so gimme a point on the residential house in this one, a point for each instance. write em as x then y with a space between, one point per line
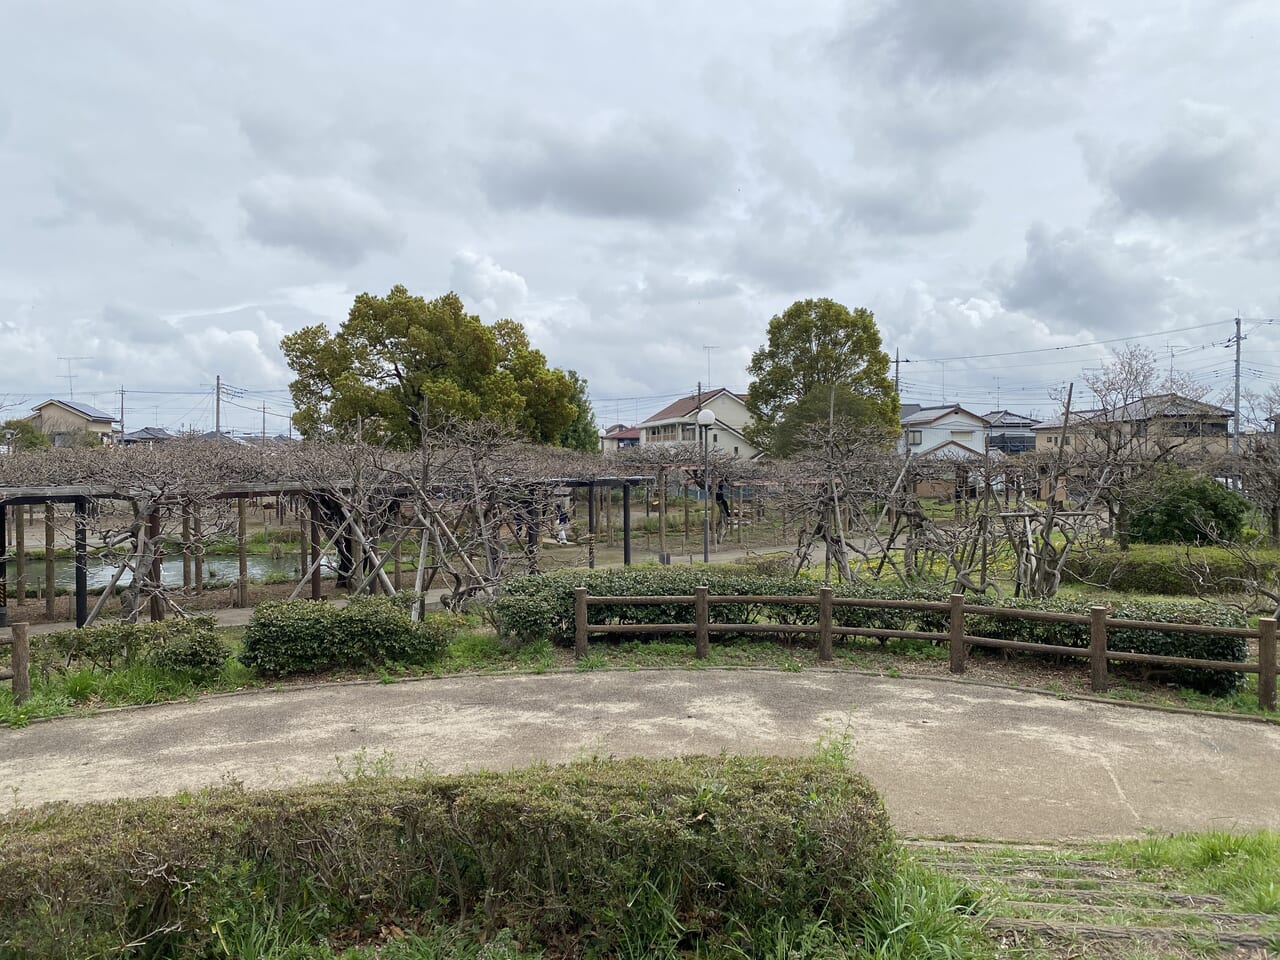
67 422
927 431
1010 433
145 435
1159 425
678 422
619 436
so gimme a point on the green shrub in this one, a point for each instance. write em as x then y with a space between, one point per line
1170 569
1187 507
190 645
183 644
700 849
302 636
541 608
1201 646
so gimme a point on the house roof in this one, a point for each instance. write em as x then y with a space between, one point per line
688 406
953 450
147 434
1007 418
1144 408
92 413
623 433
930 414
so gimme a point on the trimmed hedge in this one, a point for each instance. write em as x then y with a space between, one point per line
582 852
186 645
303 636
1170 570
541 608
1202 646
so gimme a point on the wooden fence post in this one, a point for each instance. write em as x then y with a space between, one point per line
579 622
956 634
824 625
1098 649
701 616
21 653
1267 663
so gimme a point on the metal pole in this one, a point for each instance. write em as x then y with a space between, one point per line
706 495
1235 434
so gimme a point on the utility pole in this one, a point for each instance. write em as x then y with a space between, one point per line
217 405
1235 434
264 426
122 411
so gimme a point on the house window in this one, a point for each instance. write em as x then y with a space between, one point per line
735 451
715 438
962 435
1066 441
914 438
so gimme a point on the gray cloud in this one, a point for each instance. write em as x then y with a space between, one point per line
328 219
659 287
943 41
913 205
1086 280
1205 168
629 168
85 195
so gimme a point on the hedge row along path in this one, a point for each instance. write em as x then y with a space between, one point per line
950 758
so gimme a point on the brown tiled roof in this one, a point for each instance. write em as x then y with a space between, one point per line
687 406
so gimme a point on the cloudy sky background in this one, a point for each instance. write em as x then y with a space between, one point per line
182 183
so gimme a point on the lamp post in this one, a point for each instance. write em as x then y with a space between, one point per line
600 434
705 419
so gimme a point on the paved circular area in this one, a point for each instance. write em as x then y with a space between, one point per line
950 758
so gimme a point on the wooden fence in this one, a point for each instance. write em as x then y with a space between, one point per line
959 642
20 671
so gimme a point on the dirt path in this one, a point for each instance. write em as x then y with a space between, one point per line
950 758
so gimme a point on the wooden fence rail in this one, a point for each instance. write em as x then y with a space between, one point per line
20 656
958 640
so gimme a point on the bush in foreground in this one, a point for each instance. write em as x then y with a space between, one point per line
302 636
597 854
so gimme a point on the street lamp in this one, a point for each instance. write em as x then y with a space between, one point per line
600 434
705 419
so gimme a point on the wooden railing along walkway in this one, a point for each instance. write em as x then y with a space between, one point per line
959 642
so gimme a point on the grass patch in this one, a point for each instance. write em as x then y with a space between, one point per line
1244 868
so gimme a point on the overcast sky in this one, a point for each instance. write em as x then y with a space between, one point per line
182 183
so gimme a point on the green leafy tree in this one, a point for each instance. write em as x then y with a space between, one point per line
393 352
22 434
581 434
1186 507
820 353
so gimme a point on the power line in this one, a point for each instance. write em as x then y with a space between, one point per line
1074 346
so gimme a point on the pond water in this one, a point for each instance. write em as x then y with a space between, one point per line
215 568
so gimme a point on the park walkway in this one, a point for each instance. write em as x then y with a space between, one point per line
950 758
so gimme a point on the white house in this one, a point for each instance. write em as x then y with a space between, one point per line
928 431
678 422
